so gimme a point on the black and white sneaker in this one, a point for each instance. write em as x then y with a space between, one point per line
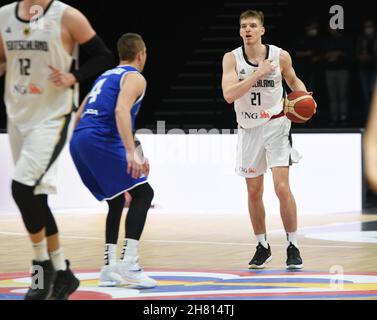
294 260
65 284
44 276
261 257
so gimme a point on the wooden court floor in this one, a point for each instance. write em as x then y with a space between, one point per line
204 242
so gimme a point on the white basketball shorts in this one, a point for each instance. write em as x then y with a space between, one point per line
36 150
265 146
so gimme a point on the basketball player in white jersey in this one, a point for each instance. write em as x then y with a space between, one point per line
252 79
39 99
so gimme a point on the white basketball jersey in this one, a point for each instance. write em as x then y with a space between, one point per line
30 97
264 99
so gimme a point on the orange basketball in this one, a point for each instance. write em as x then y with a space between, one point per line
299 106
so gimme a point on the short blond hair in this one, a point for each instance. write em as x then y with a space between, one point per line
253 14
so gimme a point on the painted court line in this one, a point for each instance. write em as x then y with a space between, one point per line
193 242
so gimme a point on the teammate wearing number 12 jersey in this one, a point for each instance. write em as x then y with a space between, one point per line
39 41
252 79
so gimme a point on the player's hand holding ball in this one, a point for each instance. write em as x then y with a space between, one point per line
299 106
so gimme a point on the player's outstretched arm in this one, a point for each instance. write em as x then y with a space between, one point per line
234 89
289 74
370 144
133 87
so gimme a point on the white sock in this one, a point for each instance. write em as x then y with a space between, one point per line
40 252
57 258
129 251
292 238
110 257
262 239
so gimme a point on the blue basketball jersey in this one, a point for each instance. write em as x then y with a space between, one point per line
96 147
99 111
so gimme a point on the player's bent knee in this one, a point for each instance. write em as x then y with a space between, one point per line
143 192
32 215
21 192
149 192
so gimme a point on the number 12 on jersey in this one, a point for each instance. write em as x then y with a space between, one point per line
255 99
24 66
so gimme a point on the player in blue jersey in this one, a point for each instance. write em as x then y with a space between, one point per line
106 156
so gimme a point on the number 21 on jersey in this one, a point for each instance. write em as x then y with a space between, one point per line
255 99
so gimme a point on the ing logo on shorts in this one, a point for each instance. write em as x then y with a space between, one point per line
248 170
228 285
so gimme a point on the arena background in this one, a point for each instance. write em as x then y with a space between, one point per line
186 42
